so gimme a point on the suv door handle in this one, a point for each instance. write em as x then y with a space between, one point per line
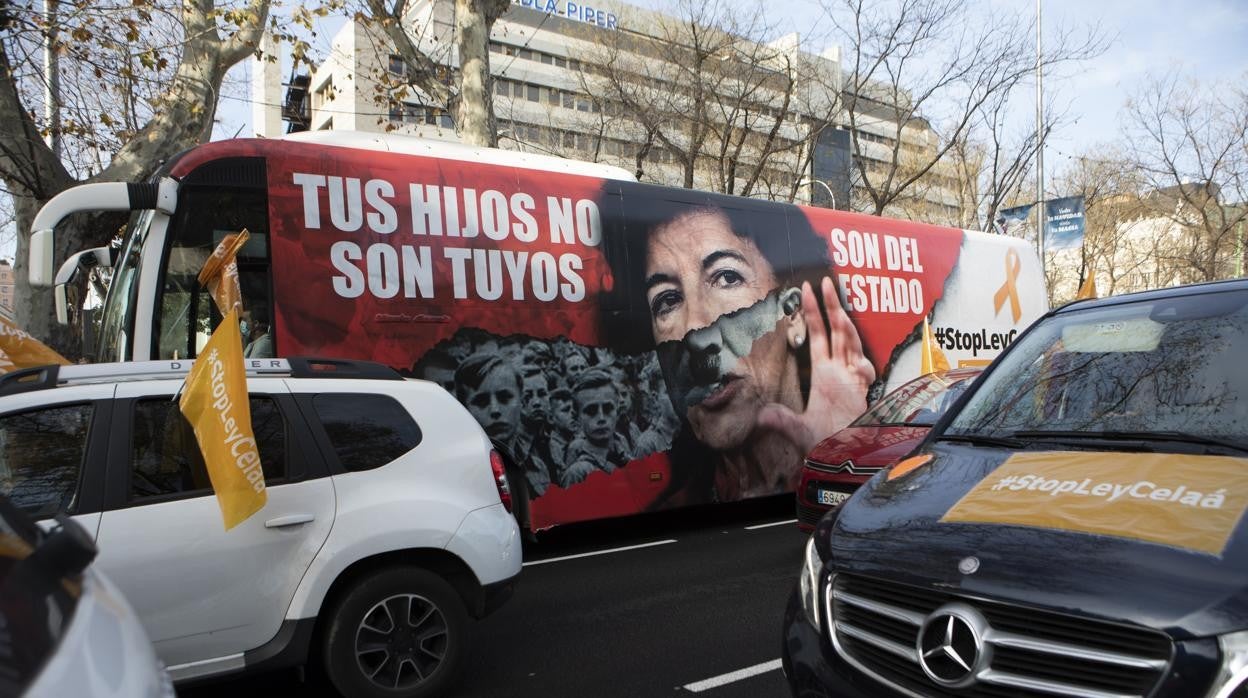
291 520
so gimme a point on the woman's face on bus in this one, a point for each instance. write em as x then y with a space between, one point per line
716 321
496 404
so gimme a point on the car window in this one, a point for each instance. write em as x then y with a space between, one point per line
41 454
165 458
35 609
366 431
918 403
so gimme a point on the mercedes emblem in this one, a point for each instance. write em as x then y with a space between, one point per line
951 645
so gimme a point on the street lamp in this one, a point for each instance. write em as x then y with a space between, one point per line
822 184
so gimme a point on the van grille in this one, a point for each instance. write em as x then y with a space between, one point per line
1030 652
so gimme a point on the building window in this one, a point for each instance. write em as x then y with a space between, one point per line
397 66
548 59
560 63
445 120
552 96
535 93
568 100
501 88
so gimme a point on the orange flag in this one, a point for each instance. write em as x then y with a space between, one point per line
220 273
216 405
20 350
933 358
1088 289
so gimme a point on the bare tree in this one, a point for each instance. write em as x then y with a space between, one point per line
1190 142
467 93
710 102
912 64
145 83
1119 245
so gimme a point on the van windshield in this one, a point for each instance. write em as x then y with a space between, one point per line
1168 367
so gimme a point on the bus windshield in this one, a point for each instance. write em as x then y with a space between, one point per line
117 324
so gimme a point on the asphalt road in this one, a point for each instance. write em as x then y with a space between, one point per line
694 608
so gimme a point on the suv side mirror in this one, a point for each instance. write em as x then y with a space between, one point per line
66 551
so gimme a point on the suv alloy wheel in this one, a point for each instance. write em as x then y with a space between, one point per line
402 631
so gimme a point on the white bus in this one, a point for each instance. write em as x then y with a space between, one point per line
629 347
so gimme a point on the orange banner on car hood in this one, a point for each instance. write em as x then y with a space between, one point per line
1186 501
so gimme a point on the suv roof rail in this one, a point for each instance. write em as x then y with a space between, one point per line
42 377
27 379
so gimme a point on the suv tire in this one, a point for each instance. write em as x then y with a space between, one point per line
367 632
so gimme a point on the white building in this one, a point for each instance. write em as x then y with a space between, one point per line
547 63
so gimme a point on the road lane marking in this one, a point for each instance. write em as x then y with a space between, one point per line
599 552
731 677
774 523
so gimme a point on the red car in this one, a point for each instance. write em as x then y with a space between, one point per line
886 432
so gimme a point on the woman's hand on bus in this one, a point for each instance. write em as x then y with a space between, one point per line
840 375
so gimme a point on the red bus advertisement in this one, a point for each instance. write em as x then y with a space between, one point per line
628 347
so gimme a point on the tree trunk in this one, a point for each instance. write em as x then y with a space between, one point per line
185 117
473 20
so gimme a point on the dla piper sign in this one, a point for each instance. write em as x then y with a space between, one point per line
572 10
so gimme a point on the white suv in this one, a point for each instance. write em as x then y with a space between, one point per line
387 524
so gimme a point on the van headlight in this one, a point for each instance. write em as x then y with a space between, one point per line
812 565
1233 673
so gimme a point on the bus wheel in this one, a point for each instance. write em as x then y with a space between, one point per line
402 632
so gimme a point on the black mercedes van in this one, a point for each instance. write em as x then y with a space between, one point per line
1073 526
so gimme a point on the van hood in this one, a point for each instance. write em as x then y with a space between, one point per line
894 530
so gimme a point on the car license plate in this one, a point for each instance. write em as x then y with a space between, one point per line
831 497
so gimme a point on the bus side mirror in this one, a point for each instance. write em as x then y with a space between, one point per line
41 258
87 259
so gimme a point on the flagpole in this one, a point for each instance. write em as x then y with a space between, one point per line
1039 143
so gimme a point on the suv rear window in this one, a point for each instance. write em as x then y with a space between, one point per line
366 431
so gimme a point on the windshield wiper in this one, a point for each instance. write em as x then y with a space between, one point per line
1150 436
984 440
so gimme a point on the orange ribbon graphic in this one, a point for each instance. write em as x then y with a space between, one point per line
1013 264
